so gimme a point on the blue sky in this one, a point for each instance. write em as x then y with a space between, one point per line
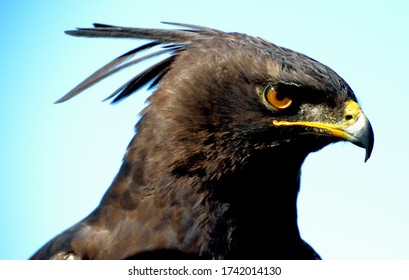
58 160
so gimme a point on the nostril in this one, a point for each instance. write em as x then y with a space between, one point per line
348 117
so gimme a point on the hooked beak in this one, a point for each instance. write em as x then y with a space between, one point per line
355 127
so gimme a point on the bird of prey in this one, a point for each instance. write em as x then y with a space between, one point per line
213 171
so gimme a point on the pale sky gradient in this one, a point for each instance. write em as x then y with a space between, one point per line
58 160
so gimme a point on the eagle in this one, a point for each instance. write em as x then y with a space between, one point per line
213 170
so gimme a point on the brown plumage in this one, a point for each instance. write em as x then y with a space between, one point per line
214 168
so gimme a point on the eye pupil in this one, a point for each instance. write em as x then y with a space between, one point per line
275 97
280 97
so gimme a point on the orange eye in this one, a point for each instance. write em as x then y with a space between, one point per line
277 99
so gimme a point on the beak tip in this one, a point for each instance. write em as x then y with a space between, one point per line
367 156
369 148
362 135
370 143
